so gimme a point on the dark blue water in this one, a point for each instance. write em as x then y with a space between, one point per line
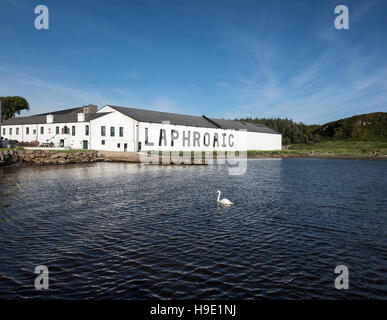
127 231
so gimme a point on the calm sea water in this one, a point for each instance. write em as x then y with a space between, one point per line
126 231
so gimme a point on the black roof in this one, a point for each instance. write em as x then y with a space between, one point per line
25 120
158 117
59 117
70 115
62 112
195 121
240 125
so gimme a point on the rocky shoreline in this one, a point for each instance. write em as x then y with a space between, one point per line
45 157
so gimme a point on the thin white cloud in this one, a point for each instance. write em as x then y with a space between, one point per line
223 84
45 95
343 79
133 75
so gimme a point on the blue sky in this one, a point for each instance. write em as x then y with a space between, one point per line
222 58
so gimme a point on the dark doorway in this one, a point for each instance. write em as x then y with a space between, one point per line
85 144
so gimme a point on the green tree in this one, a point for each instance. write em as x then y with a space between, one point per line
292 132
12 105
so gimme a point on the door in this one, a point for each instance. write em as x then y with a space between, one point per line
125 147
61 143
85 144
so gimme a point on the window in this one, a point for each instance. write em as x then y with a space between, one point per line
118 145
65 130
41 130
3 131
57 130
17 130
103 142
87 130
73 130
10 131
103 131
34 131
121 131
112 131
27 130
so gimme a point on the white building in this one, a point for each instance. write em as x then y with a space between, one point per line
128 129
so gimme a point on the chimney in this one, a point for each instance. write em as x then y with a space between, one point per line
50 118
81 117
91 108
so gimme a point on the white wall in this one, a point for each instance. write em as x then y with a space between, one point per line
263 141
134 132
70 140
227 139
32 134
106 109
49 133
116 143
11 135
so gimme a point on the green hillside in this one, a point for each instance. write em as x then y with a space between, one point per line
292 132
365 127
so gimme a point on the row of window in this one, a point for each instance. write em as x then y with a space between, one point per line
65 130
87 130
112 131
10 131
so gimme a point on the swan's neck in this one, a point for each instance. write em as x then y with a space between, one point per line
218 196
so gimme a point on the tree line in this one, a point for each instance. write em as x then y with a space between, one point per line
292 132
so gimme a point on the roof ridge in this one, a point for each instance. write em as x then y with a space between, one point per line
156 111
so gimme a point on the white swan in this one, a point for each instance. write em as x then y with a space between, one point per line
223 201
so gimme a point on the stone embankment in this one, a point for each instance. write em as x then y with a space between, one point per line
40 157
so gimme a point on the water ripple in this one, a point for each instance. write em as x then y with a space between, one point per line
124 231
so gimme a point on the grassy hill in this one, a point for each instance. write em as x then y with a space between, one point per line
360 136
365 127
